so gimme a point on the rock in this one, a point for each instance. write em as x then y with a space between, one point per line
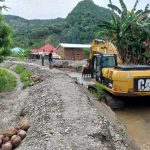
7 146
15 140
22 134
10 132
6 139
61 64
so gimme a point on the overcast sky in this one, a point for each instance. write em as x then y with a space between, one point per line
48 9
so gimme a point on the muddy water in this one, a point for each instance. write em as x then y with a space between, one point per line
137 120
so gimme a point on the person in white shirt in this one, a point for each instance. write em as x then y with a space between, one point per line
43 57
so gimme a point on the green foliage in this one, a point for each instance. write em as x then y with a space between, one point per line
99 88
121 132
128 30
98 92
25 52
118 122
5 35
34 33
22 54
80 26
7 81
24 75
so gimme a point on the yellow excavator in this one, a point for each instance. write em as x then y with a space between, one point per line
106 67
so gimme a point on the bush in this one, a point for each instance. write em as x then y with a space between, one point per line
23 54
7 81
98 91
99 88
24 75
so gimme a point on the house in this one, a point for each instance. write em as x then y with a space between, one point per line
47 48
71 51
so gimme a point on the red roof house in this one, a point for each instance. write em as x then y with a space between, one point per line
35 51
47 48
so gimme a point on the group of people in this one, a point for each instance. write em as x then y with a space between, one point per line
50 58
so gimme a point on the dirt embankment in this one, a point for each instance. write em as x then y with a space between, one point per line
62 116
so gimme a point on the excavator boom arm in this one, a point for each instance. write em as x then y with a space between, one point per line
100 46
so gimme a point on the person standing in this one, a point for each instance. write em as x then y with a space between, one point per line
43 57
50 58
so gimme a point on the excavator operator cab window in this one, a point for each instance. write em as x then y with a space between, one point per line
108 61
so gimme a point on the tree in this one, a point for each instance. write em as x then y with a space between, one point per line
5 35
128 29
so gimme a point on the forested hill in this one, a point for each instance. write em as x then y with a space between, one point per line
87 9
83 22
80 26
18 22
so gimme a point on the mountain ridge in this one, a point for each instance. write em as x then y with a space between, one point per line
80 26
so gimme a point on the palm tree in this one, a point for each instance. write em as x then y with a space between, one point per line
128 29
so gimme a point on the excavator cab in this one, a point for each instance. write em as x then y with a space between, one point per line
101 61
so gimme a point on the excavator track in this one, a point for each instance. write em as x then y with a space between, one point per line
110 100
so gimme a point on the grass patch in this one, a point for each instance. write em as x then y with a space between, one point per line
98 90
24 75
121 132
7 81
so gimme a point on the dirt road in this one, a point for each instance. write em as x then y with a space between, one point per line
62 116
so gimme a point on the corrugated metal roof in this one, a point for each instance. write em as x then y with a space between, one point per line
66 45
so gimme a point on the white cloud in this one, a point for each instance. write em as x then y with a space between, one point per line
46 9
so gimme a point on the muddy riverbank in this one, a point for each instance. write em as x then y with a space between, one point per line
62 115
136 117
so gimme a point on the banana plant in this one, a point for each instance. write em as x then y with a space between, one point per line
128 29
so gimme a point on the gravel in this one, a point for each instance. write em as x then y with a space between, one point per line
62 115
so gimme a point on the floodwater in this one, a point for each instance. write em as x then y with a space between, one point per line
136 118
